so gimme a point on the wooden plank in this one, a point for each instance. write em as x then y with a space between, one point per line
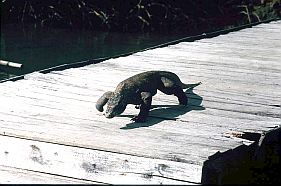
35 119
106 86
163 145
239 105
262 76
87 164
165 99
10 175
210 101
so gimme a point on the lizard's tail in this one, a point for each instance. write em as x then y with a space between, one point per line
184 86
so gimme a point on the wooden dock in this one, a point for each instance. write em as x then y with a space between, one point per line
50 131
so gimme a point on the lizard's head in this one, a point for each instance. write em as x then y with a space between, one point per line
115 105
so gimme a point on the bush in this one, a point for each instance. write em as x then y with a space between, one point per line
138 15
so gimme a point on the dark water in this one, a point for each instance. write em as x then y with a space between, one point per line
39 49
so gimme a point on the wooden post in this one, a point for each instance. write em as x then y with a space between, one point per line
230 167
10 64
258 163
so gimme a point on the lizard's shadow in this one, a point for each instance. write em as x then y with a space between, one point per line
160 113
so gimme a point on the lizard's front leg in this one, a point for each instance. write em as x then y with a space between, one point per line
103 100
144 107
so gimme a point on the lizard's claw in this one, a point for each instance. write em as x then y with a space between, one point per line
138 119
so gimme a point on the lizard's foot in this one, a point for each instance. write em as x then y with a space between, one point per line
139 119
183 102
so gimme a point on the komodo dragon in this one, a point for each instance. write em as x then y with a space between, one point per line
139 89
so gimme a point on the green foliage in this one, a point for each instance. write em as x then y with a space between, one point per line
261 10
138 15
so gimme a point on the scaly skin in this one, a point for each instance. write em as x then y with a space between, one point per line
139 90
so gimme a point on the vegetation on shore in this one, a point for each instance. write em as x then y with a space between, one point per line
188 16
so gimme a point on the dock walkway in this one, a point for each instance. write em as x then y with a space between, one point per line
50 131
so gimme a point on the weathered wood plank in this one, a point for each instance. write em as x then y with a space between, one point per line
106 86
34 118
210 102
215 103
163 145
10 175
86 164
189 71
212 98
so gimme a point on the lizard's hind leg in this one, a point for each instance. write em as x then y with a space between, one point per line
177 91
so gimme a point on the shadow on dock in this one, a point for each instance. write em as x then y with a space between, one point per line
159 113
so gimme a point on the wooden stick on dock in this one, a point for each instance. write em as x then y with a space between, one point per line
10 64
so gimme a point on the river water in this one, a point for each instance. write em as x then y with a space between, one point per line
39 49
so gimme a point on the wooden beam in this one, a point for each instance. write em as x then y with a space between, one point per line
93 165
10 64
11 175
